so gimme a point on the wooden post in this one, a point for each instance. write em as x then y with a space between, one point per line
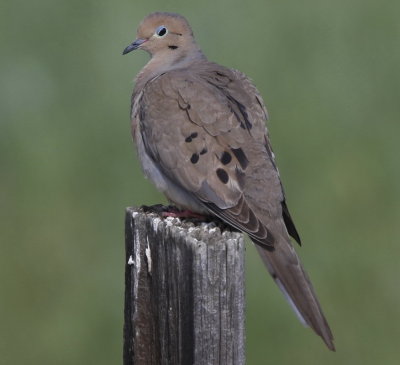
184 292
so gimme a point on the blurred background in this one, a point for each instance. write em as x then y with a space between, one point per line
329 73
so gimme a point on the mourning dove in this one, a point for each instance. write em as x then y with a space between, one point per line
201 138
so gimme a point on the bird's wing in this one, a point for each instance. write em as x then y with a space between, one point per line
206 132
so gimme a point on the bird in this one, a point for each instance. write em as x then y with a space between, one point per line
201 136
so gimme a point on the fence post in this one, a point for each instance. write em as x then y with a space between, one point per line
184 292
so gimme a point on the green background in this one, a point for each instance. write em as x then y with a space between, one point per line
329 73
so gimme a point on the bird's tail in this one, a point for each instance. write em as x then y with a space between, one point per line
285 268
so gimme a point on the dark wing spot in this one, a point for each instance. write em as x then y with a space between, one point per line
242 109
241 157
222 175
190 138
243 113
289 223
203 151
226 158
195 158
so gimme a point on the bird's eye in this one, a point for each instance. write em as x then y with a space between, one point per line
161 31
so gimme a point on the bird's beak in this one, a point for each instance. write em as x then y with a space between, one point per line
135 45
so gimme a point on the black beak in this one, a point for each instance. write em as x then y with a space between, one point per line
135 45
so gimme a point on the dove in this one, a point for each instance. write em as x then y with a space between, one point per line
201 138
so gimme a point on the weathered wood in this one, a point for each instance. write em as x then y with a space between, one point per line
184 292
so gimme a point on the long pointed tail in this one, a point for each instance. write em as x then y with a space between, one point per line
285 268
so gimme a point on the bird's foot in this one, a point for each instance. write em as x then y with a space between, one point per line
172 211
175 213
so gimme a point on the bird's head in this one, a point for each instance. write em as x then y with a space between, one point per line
163 34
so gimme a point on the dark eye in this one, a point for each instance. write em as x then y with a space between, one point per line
161 31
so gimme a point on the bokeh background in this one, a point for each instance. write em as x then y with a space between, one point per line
329 72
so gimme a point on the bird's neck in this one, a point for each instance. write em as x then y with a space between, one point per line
166 61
